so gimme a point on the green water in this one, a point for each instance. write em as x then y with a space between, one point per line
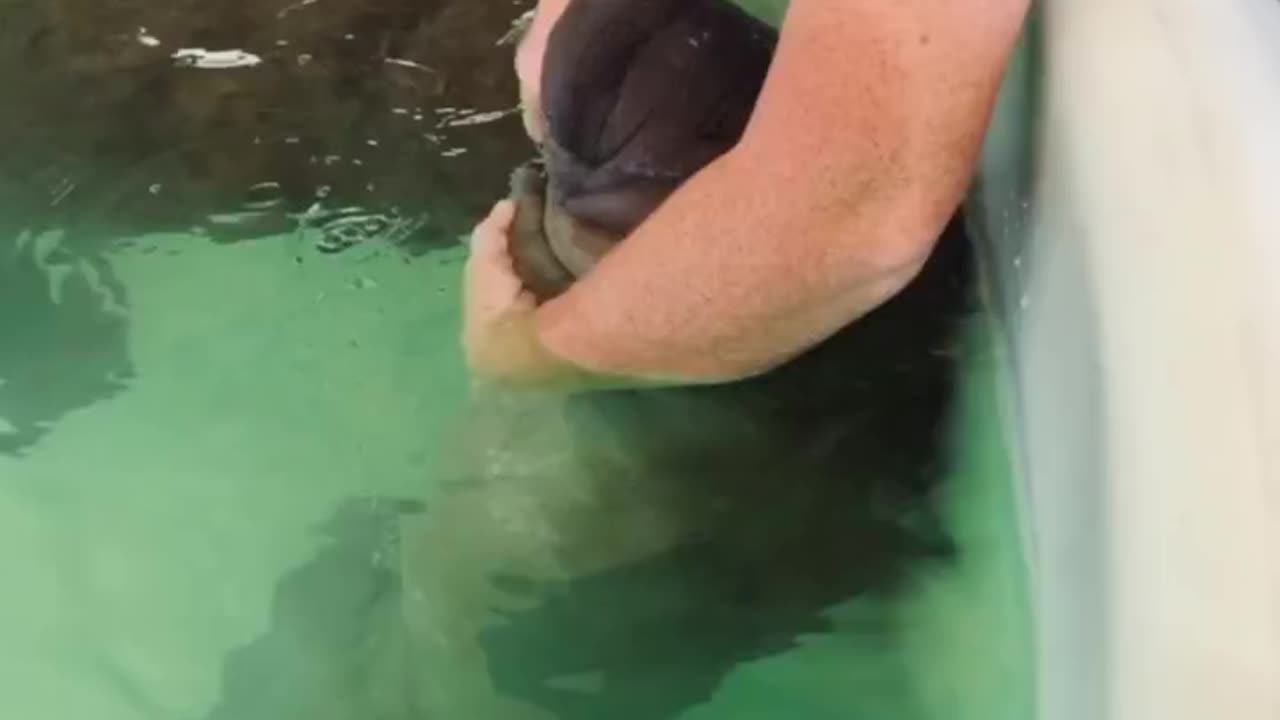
217 460
147 537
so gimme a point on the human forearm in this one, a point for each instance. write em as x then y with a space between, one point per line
726 281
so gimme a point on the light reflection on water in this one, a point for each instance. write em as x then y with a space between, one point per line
131 118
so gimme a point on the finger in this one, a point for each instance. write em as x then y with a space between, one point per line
489 237
489 272
502 215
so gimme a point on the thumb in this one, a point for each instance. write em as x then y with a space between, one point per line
488 238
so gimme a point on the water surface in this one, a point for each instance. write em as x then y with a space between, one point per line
230 396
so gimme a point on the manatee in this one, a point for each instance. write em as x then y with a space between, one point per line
619 554
638 96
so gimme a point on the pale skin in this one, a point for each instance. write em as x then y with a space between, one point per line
861 148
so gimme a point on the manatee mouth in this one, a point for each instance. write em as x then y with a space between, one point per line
636 98
550 245
553 241
533 258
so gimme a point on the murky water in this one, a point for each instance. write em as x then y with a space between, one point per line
242 475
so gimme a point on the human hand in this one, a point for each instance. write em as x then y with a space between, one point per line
528 64
500 325
497 309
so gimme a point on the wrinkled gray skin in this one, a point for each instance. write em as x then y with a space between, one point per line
550 248
639 95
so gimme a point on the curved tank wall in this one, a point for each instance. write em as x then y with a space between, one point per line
1131 244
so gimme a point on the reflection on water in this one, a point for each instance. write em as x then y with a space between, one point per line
335 647
117 119
388 123
236 428
63 345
